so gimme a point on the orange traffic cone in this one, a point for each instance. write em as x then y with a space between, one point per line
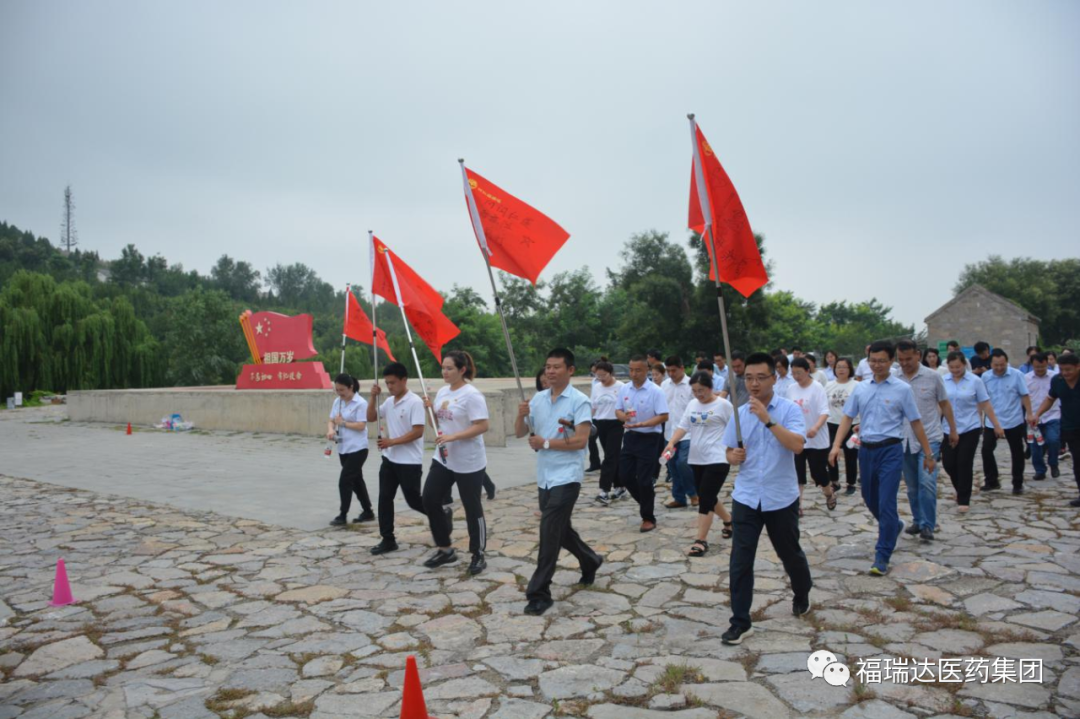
61 588
412 694
129 428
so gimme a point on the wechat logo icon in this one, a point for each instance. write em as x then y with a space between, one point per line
824 665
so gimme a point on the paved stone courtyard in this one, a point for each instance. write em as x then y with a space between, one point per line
185 613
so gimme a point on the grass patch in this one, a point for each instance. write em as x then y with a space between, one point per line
900 604
872 615
575 708
675 675
289 708
208 659
861 693
749 661
936 621
223 700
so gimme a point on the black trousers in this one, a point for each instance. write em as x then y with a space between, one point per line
818 459
1015 437
783 528
1071 438
610 434
851 458
437 488
708 479
959 464
594 449
556 508
351 481
391 477
637 463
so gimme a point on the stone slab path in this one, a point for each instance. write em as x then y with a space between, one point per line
186 614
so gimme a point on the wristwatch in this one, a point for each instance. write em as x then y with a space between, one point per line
547 444
770 424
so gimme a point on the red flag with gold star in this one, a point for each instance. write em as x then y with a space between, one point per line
278 333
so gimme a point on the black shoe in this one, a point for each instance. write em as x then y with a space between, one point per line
367 516
589 576
337 522
926 534
536 607
1018 490
478 563
491 493
735 635
800 608
590 470
386 545
913 529
990 487
440 558
1075 502
850 489
1039 477
1055 472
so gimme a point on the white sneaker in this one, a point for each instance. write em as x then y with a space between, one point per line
603 498
619 493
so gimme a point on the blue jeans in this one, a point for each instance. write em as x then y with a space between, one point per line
880 468
922 486
682 478
1051 432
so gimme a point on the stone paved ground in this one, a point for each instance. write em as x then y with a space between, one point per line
192 614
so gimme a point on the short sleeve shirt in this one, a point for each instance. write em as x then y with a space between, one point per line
604 398
456 411
814 405
883 407
767 478
1039 389
402 416
837 393
646 402
704 424
929 390
355 410
965 397
1070 402
1005 392
550 420
678 397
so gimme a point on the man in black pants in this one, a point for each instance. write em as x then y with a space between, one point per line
561 418
1011 401
642 408
766 492
402 448
1065 388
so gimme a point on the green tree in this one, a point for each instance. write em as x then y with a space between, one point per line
204 344
130 269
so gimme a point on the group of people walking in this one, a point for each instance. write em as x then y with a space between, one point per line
894 416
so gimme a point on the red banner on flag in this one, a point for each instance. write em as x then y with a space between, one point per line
517 238
280 333
732 248
422 304
358 326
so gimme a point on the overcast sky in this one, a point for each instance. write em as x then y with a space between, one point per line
878 147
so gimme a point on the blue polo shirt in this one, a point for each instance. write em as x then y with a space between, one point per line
767 478
648 400
553 467
965 397
883 408
1005 392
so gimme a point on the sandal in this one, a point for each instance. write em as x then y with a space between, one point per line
698 549
726 531
830 501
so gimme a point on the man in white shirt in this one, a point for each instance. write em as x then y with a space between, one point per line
783 376
642 408
678 394
720 368
1038 384
863 371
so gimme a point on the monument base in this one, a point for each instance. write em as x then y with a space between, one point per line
292 375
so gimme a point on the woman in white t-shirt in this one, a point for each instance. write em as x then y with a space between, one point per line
932 359
831 358
837 392
348 427
605 391
810 396
705 419
460 458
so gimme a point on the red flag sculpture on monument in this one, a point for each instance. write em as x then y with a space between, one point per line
276 342
516 238
280 333
422 304
358 326
731 245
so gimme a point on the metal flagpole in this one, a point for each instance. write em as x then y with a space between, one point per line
706 212
474 216
343 335
412 348
374 332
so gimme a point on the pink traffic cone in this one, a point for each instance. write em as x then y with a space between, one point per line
61 588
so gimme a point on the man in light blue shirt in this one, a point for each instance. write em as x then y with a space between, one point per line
720 368
766 493
1010 399
883 404
642 408
561 418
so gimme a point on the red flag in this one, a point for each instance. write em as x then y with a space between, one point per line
516 237
423 305
358 326
276 332
733 248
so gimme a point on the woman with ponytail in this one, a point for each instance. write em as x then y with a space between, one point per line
348 427
460 458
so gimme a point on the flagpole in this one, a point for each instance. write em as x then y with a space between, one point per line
478 228
710 247
343 335
374 332
416 358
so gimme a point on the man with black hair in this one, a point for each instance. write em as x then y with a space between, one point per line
642 408
738 367
561 419
980 363
402 449
1038 381
1011 401
766 494
654 357
1065 388
1029 353
678 394
883 405
720 368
